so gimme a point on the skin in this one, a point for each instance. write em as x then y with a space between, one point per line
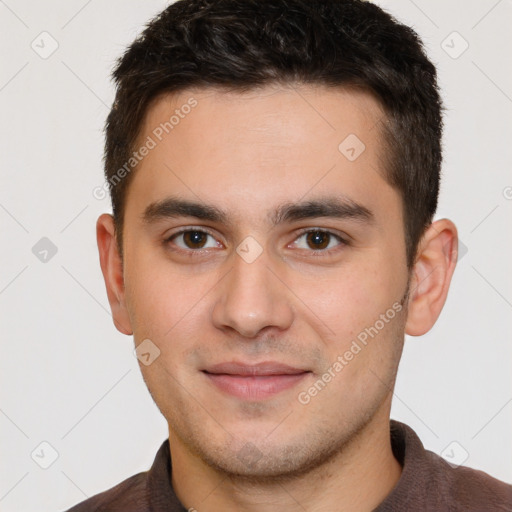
248 153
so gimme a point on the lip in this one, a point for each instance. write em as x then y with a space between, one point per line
259 369
254 381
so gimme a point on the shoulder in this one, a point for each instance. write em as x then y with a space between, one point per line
137 492
429 482
128 496
470 488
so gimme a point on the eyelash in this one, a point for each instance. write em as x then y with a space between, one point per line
317 252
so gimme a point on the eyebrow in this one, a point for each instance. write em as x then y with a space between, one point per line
333 207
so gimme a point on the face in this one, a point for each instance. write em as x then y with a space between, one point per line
264 259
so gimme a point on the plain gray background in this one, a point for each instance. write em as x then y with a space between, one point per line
68 378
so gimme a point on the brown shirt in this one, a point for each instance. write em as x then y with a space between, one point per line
428 483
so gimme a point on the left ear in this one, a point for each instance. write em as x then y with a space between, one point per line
431 276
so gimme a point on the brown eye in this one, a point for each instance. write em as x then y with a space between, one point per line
193 239
318 239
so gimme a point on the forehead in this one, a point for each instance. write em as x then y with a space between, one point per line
261 147
300 110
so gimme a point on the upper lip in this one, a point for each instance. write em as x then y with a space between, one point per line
263 368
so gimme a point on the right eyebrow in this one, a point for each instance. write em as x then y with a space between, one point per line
174 207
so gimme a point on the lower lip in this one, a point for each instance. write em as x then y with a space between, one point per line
255 387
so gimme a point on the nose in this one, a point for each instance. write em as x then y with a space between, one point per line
252 298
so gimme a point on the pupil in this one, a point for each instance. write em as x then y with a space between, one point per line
319 239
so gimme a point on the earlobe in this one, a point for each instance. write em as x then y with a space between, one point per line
112 269
431 276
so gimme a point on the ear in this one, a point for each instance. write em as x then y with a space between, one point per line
112 268
431 276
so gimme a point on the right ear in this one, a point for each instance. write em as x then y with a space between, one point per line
112 268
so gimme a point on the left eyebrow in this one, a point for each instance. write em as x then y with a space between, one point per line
333 207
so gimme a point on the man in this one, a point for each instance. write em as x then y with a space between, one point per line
274 173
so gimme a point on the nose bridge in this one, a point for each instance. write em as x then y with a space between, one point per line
251 297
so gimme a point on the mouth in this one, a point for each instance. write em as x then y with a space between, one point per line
254 382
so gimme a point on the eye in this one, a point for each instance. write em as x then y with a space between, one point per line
313 240
193 239
318 240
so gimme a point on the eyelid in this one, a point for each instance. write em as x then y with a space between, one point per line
338 235
189 228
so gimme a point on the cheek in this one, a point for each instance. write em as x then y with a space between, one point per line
163 299
351 299
151 292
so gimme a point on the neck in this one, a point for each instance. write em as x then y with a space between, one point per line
357 479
